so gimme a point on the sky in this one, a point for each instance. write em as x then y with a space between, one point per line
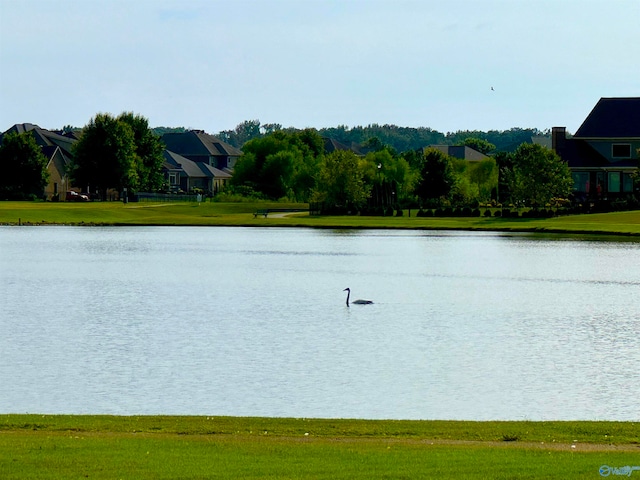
448 65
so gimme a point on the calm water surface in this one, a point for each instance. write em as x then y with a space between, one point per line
241 321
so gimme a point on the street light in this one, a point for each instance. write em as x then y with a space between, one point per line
379 187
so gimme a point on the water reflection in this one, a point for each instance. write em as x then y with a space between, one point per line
232 321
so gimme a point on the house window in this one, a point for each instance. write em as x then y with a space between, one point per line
621 150
580 182
173 179
627 182
614 182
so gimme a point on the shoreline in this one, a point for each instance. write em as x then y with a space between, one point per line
625 225
537 231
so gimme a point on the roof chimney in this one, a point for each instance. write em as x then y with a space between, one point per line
558 138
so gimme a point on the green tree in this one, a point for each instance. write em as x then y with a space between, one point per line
269 128
24 167
505 140
277 173
504 162
479 144
105 155
437 176
281 164
159 131
484 174
391 177
539 175
341 181
118 153
149 152
245 131
476 181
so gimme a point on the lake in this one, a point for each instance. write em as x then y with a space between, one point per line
253 322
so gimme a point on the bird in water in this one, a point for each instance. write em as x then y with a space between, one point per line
357 302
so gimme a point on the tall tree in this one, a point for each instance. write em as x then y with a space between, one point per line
504 162
437 176
105 155
281 164
118 153
484 174
341 181
245 131
149 152
539 175
391 176
23 166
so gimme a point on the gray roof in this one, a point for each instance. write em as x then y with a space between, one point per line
331 145
543 140
198 143
44 138
460 151
613 118
176 162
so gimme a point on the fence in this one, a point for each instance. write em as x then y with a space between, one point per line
167 197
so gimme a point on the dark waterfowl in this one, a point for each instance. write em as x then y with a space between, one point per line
356 302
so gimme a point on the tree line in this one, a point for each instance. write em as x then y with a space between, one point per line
397 138
293 165
123 152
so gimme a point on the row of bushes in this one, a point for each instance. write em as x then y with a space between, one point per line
488 212
566 208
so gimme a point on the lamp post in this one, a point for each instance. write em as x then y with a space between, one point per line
378 188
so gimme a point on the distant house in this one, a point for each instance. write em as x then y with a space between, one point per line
543 140
461 152
602 154
56 146
331 145
201 147
183 174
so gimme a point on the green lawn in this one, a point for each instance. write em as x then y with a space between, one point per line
241 214
60 447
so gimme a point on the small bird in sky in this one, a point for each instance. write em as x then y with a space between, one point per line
492 89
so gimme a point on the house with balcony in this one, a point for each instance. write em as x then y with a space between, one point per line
603 153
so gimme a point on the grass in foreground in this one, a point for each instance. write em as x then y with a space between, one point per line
36 446
241 214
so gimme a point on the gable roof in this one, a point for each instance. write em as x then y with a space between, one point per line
612 118
198 143
331 145
460 151
44 138
579 154
174 161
